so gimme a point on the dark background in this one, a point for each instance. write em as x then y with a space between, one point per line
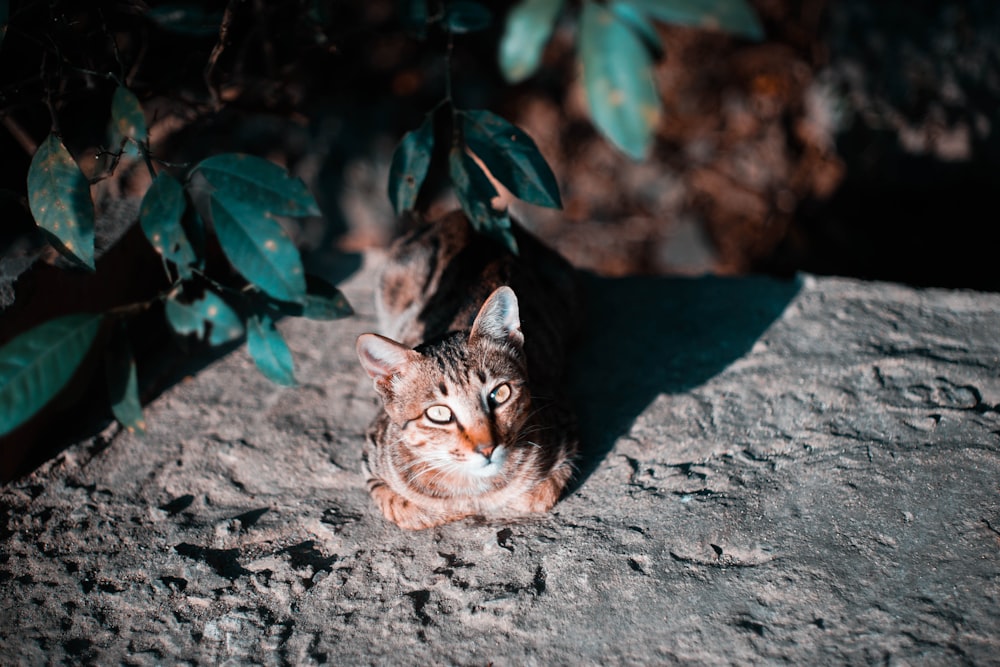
858 139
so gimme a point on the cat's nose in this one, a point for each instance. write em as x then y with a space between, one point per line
486 449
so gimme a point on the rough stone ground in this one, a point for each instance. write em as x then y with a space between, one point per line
776 472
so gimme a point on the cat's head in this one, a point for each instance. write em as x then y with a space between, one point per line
461 400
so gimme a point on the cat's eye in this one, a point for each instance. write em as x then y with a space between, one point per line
438 414
500 394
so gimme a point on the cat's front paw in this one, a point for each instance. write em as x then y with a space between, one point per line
399 510
541 498
546 493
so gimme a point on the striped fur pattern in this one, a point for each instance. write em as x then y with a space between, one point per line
469 373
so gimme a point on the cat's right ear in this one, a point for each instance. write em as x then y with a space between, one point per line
499 318
381 357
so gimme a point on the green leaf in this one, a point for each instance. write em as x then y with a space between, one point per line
245 192
185 318
127 120
633 18
474 192
36 365
462 16
160 218
734 16
511 156
259 248
186 19
618 78
59 196
269 351
196 316
323 302
226 324
409 166
123 384
529 26
197 233
258 183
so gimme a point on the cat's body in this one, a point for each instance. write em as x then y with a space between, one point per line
473 421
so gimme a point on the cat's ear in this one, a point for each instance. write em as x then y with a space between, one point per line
381 357
499 318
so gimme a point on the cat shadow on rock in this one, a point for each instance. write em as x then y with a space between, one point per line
647 336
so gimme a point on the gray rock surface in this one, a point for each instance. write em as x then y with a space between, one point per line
775 472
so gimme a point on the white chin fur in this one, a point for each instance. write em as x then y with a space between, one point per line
482 468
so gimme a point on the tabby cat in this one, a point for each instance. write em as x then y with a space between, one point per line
469 373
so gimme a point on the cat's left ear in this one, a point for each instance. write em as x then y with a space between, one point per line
499 318
381 357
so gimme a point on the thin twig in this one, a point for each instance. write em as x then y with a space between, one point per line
213 58
214 283
164 163
447 66
27 143
130 309
147 158
137 307
116 157
48 96
114 48
455 131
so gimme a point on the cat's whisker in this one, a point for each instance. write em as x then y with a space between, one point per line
536 410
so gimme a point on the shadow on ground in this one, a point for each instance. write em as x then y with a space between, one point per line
646 336
81 410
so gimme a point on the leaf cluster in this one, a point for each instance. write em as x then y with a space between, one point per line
479 137
238 199
237 202
482 144
617 45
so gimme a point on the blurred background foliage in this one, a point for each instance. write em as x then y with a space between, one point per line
839 143
833 136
